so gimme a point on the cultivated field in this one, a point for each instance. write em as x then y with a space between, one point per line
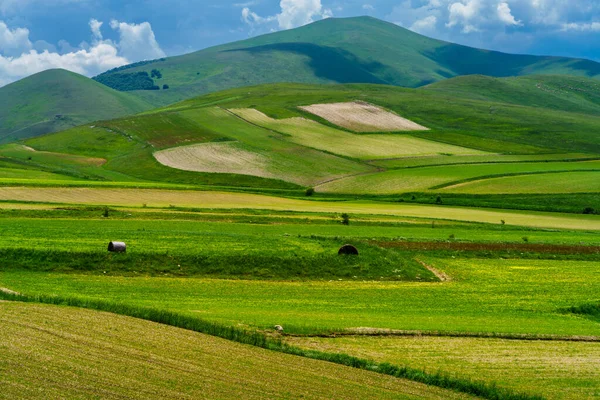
568 370
89 354
448 177
215 157
222 200
374 146
362 117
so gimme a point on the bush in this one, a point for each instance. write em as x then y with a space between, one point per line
310 191
345 219
438 200
165 86
156 74
589 210
525 239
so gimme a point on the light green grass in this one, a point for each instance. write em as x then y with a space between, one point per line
503 296
312 134
415 162
426 178
113 357
221 200
554 369
564 182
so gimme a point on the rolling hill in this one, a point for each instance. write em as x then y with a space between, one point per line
558 92
348 50
55 100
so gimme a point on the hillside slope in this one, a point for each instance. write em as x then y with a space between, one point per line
557 92
349 50
56 99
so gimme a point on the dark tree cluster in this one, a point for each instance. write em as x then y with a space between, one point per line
128 81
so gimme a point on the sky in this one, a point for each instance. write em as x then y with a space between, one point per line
92 36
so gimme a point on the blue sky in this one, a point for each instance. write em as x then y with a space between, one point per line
90 36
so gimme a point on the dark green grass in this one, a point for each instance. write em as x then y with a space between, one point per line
253 338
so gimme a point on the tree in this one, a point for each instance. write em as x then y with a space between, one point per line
310 191
165 86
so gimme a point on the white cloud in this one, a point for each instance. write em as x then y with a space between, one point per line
14 42
582 27
368 7
95 26
293 13
464 14
505 14
425 25
137 42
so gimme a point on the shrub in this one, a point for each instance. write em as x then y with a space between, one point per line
438 200
165 86
525 239
310 191
589 210
345 219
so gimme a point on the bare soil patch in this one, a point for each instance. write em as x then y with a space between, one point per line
362 117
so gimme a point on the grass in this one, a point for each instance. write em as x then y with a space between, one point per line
115 356
221 200
430 178
514 296
569 370
55 100
373 146
563 182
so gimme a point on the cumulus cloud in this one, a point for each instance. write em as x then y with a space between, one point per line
464 14
293 13
505 15
15 41
137 41
20 58
425 25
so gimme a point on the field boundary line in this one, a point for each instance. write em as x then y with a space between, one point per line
375 332
439 379
458 183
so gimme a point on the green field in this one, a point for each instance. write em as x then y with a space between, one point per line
89 354
569 370
449 177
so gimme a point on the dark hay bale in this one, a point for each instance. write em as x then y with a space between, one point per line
117 247
348 250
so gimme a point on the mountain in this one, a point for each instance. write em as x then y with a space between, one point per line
56 99
348 50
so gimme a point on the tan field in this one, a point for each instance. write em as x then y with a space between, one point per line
215 157
362 117
57 352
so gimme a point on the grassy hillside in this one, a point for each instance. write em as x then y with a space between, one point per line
259 139
350 50
55 100
566 93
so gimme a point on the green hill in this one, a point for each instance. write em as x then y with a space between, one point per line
558 92
55 100
350 50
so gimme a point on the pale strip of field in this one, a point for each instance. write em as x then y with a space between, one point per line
59 352
565 182
362 117
555 369
222 200
215 157
16 150
312 134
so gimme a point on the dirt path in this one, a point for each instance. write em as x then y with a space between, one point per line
442 276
